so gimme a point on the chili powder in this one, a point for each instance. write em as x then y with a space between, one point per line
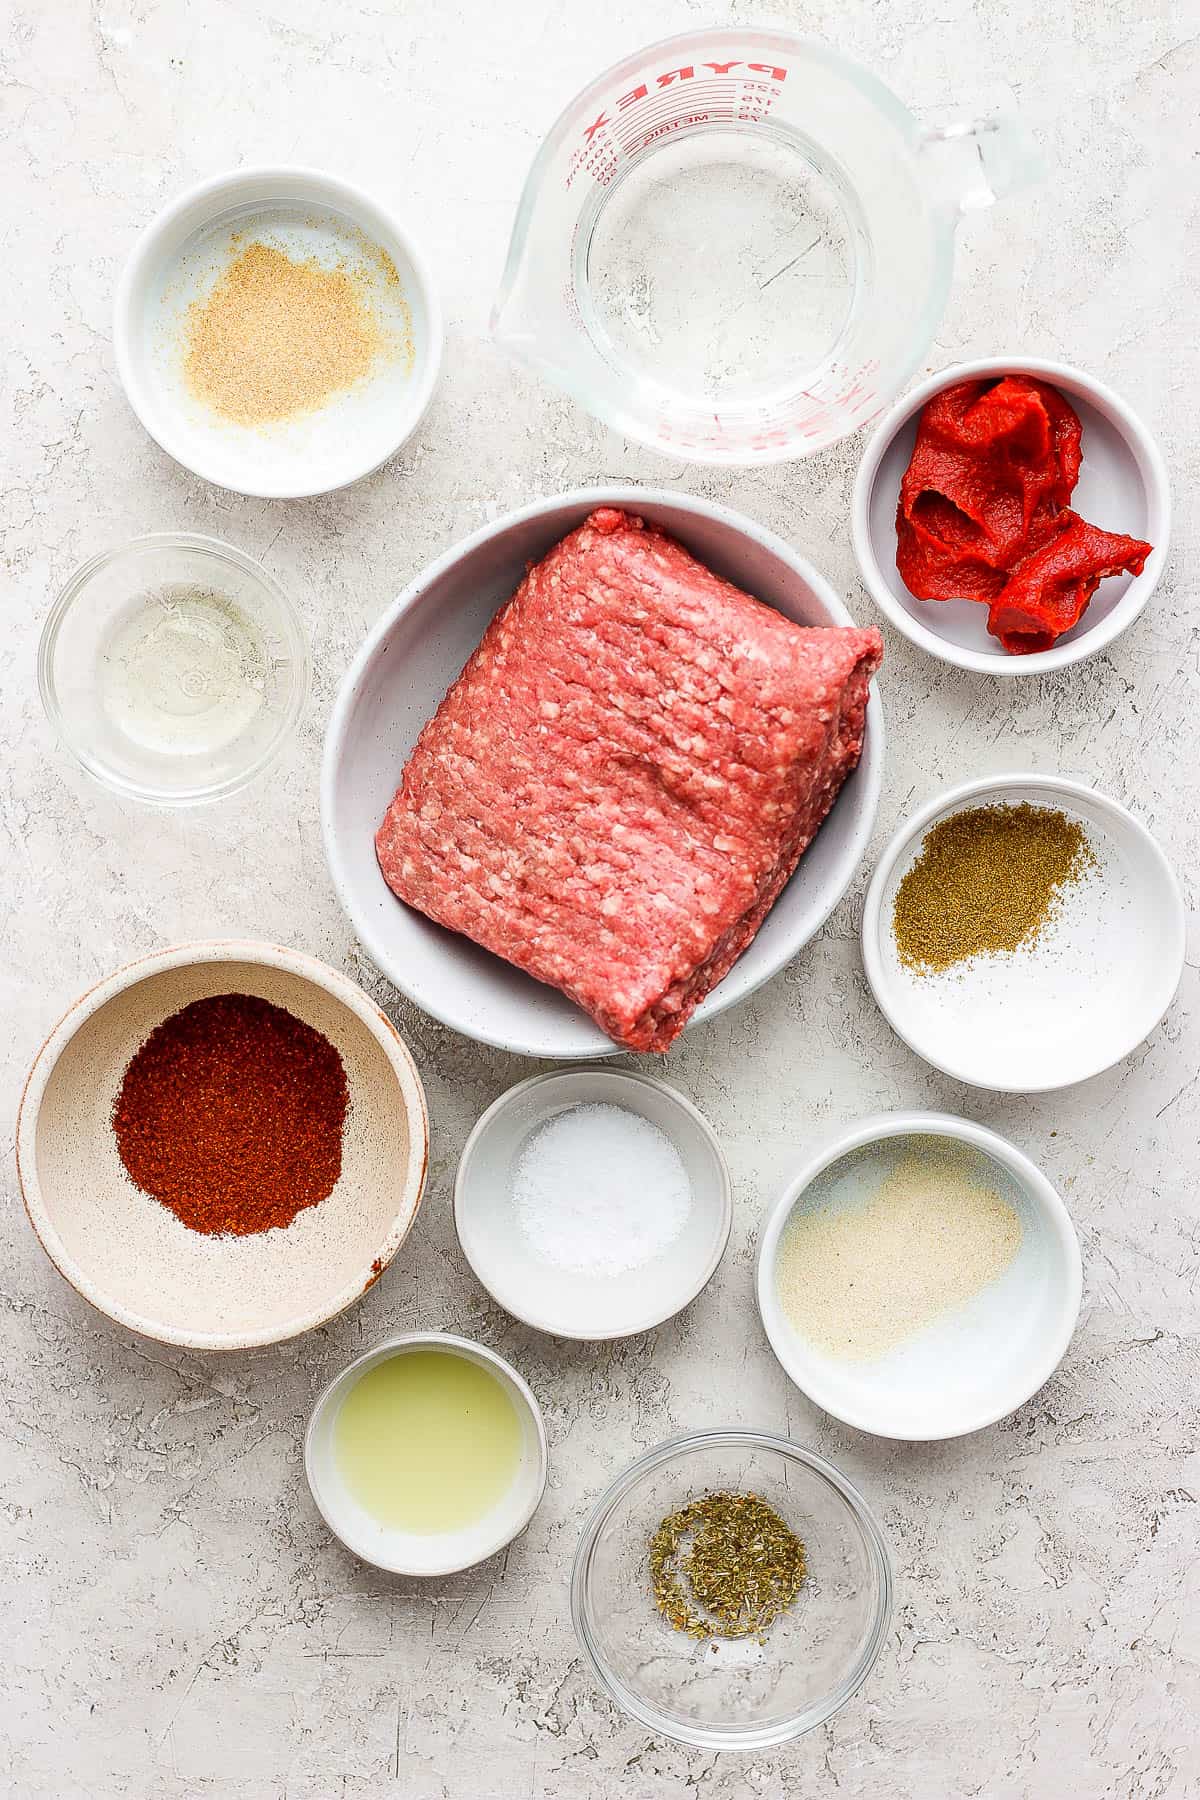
231 1114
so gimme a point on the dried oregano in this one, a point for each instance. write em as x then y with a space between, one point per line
725 1566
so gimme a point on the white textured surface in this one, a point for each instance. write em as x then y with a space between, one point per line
177 1621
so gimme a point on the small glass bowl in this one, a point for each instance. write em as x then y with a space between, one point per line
173 668
737 1694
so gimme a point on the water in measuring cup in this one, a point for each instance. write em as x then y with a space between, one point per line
183 672
722 265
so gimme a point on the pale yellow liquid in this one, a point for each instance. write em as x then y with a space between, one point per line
427 1441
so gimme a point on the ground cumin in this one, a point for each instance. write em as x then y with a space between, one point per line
989 878
276 337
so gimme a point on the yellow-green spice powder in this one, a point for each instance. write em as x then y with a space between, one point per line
988 879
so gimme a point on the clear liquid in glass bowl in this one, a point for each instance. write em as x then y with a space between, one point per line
173 668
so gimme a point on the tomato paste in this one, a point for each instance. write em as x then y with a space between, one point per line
984 511
1048 590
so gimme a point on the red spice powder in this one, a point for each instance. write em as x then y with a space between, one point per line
232 1114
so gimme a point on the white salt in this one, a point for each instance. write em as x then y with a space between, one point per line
600 1188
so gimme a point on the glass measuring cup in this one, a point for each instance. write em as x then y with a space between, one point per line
736 245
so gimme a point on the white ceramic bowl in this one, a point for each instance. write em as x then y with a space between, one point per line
1122 487
972 1367
178 258
421 1553
395 683
1079 1001
130 1256
585 1303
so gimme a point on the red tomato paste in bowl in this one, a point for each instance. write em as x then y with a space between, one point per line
984 511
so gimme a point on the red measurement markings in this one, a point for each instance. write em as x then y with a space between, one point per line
734 70
706 103
701 94
698 94
601 162
657 132
650 113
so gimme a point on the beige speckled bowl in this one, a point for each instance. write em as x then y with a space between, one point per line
130 1256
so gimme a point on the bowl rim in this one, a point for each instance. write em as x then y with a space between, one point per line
627 496
221 950
573 1072
74 590
409 1340
719 1437
879 1128
951 799
1145 452
338 194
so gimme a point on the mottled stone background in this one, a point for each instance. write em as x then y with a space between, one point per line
176 1619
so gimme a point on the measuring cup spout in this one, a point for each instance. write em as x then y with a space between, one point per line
972 163
524 326
513 321
534 318
525 312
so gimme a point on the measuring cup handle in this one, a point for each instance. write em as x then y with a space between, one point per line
972 163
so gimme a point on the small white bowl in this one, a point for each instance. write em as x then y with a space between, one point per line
130 1256
1122 486
424 1553
399 676
177 260
1031 1021
583 1304
979 1363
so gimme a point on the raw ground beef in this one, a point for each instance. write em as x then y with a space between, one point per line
624 776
